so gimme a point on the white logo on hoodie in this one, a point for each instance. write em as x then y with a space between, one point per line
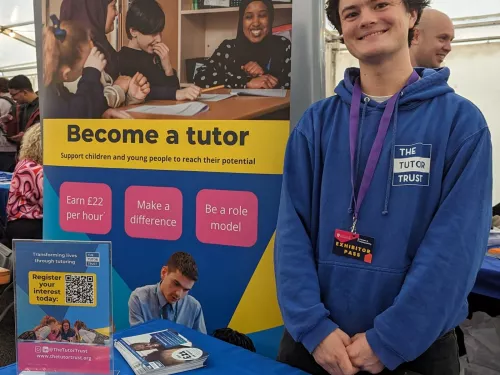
412 165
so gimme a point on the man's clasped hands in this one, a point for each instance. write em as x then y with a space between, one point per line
339 354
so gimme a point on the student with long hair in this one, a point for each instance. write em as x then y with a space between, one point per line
49 332
68 54
67 333
256 59
98 16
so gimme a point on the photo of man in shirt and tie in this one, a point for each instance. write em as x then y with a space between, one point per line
169 299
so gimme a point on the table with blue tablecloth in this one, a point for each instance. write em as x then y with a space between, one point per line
485 296
224 358
488 279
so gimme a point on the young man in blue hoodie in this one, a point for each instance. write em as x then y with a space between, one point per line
385 208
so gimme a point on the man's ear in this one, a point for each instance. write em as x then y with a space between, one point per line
133 32
65 71
164 271
416 37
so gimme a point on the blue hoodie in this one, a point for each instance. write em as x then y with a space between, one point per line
430 225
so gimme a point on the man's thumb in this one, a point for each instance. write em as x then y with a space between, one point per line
346 340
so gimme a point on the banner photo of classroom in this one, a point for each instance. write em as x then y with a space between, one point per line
165 125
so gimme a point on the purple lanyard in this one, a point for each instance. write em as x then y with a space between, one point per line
376 150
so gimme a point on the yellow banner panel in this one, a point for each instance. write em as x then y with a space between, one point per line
258 309
254 147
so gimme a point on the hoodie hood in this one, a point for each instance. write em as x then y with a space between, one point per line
432 83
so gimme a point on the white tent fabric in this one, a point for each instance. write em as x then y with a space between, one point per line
16 11
463 8
14 53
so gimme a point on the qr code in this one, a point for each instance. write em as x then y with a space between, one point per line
80 289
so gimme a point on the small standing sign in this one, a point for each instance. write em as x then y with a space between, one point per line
63 307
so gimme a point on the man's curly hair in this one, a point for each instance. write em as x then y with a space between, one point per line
332 13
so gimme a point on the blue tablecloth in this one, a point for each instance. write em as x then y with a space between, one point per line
224 359
488 279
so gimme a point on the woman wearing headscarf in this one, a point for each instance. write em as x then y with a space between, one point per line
256 59
99 17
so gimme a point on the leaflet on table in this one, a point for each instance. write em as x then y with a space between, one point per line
162 352
215 97
185 109
63 307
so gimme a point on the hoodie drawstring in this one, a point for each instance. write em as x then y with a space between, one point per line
391 160
358 151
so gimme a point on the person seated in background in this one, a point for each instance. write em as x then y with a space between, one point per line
431 42
99 17
25 202
67 333
234 337
169 298
147 54
256 59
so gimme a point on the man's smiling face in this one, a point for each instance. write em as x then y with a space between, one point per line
373 29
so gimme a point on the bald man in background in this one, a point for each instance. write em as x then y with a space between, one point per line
432 41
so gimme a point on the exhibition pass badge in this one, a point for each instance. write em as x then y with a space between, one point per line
353 245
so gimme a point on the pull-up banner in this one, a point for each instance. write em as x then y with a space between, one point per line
173 146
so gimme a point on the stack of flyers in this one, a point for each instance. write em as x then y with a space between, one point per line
162 352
